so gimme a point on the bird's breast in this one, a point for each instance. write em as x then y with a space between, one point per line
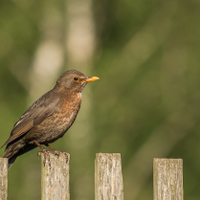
59 122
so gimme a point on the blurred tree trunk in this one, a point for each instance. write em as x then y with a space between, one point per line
49 56
80 45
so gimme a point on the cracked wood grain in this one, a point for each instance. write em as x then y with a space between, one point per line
3 178
55 180
168 179
108 177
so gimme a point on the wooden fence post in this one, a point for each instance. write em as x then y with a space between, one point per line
168 179
108 177
3 178
55 180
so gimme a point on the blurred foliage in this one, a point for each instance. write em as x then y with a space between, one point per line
145 105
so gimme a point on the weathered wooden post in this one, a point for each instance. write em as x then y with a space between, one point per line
55 180
3 178
108 177
168 179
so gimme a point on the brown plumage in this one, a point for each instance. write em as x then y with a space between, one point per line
49 117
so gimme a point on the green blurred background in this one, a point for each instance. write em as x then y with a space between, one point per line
146 104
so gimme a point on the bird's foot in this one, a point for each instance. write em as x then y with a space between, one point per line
57 153
45 152
65 154
46 156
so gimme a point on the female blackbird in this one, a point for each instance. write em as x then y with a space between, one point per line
48 118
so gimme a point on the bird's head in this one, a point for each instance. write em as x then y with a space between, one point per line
74 80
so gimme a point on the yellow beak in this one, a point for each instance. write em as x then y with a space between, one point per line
92 78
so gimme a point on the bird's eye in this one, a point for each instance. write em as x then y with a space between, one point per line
76 78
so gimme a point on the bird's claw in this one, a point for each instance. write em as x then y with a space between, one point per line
46 156
55 152
38 154
65 154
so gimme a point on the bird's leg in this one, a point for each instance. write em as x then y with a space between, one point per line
44 151
56 152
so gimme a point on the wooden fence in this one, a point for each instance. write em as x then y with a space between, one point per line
167 175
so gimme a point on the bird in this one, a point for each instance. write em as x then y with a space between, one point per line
48 118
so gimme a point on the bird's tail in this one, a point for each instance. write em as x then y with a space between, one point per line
10 160
11 152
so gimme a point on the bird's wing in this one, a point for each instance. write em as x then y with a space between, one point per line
40 110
